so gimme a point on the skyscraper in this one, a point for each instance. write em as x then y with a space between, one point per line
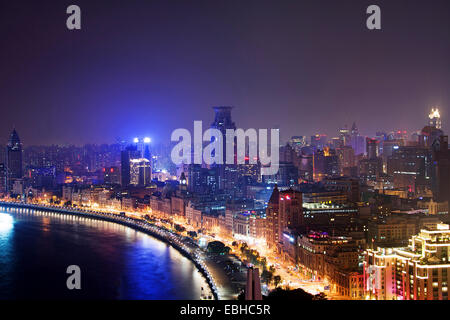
140 172
372 148
2 178
142 145
227 173
272 218
13 159
435 118
357 141
290 211
441 172
130 152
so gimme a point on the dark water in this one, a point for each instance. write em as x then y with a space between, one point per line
116 262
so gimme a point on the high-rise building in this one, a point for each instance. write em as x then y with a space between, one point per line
41 177
372 148
441 172
344 136
130 152
346 158
2 178
291 211
370 169
143 147
435 118
407 166
287 175
111 175
140 172
319 141
325 164
228 174
13 159
272 218
357 141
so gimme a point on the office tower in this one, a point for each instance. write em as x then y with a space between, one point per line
140 172
287 175
290 211
289 155
111 175
319 141
407 167
42 177
2 178
272 218
3 154
418 272
358 142
435 119
370 169
194 179
372 148
325 164
13 159
344 136
346 159
130 152
143 147
429 135
227 173
305 167
253 287
441 172
222 122
346 185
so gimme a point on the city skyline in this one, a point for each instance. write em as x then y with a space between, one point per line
150 63
434 113
225 150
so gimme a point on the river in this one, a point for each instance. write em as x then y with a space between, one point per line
116 262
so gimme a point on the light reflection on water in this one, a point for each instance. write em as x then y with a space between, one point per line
116 262
6 224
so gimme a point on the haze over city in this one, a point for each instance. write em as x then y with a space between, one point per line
148 68
246 150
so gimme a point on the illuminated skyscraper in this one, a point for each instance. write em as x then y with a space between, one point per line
435 118
344 136
130 152
143 146
13 159
140 172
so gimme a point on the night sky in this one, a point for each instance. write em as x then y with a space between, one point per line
149 67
